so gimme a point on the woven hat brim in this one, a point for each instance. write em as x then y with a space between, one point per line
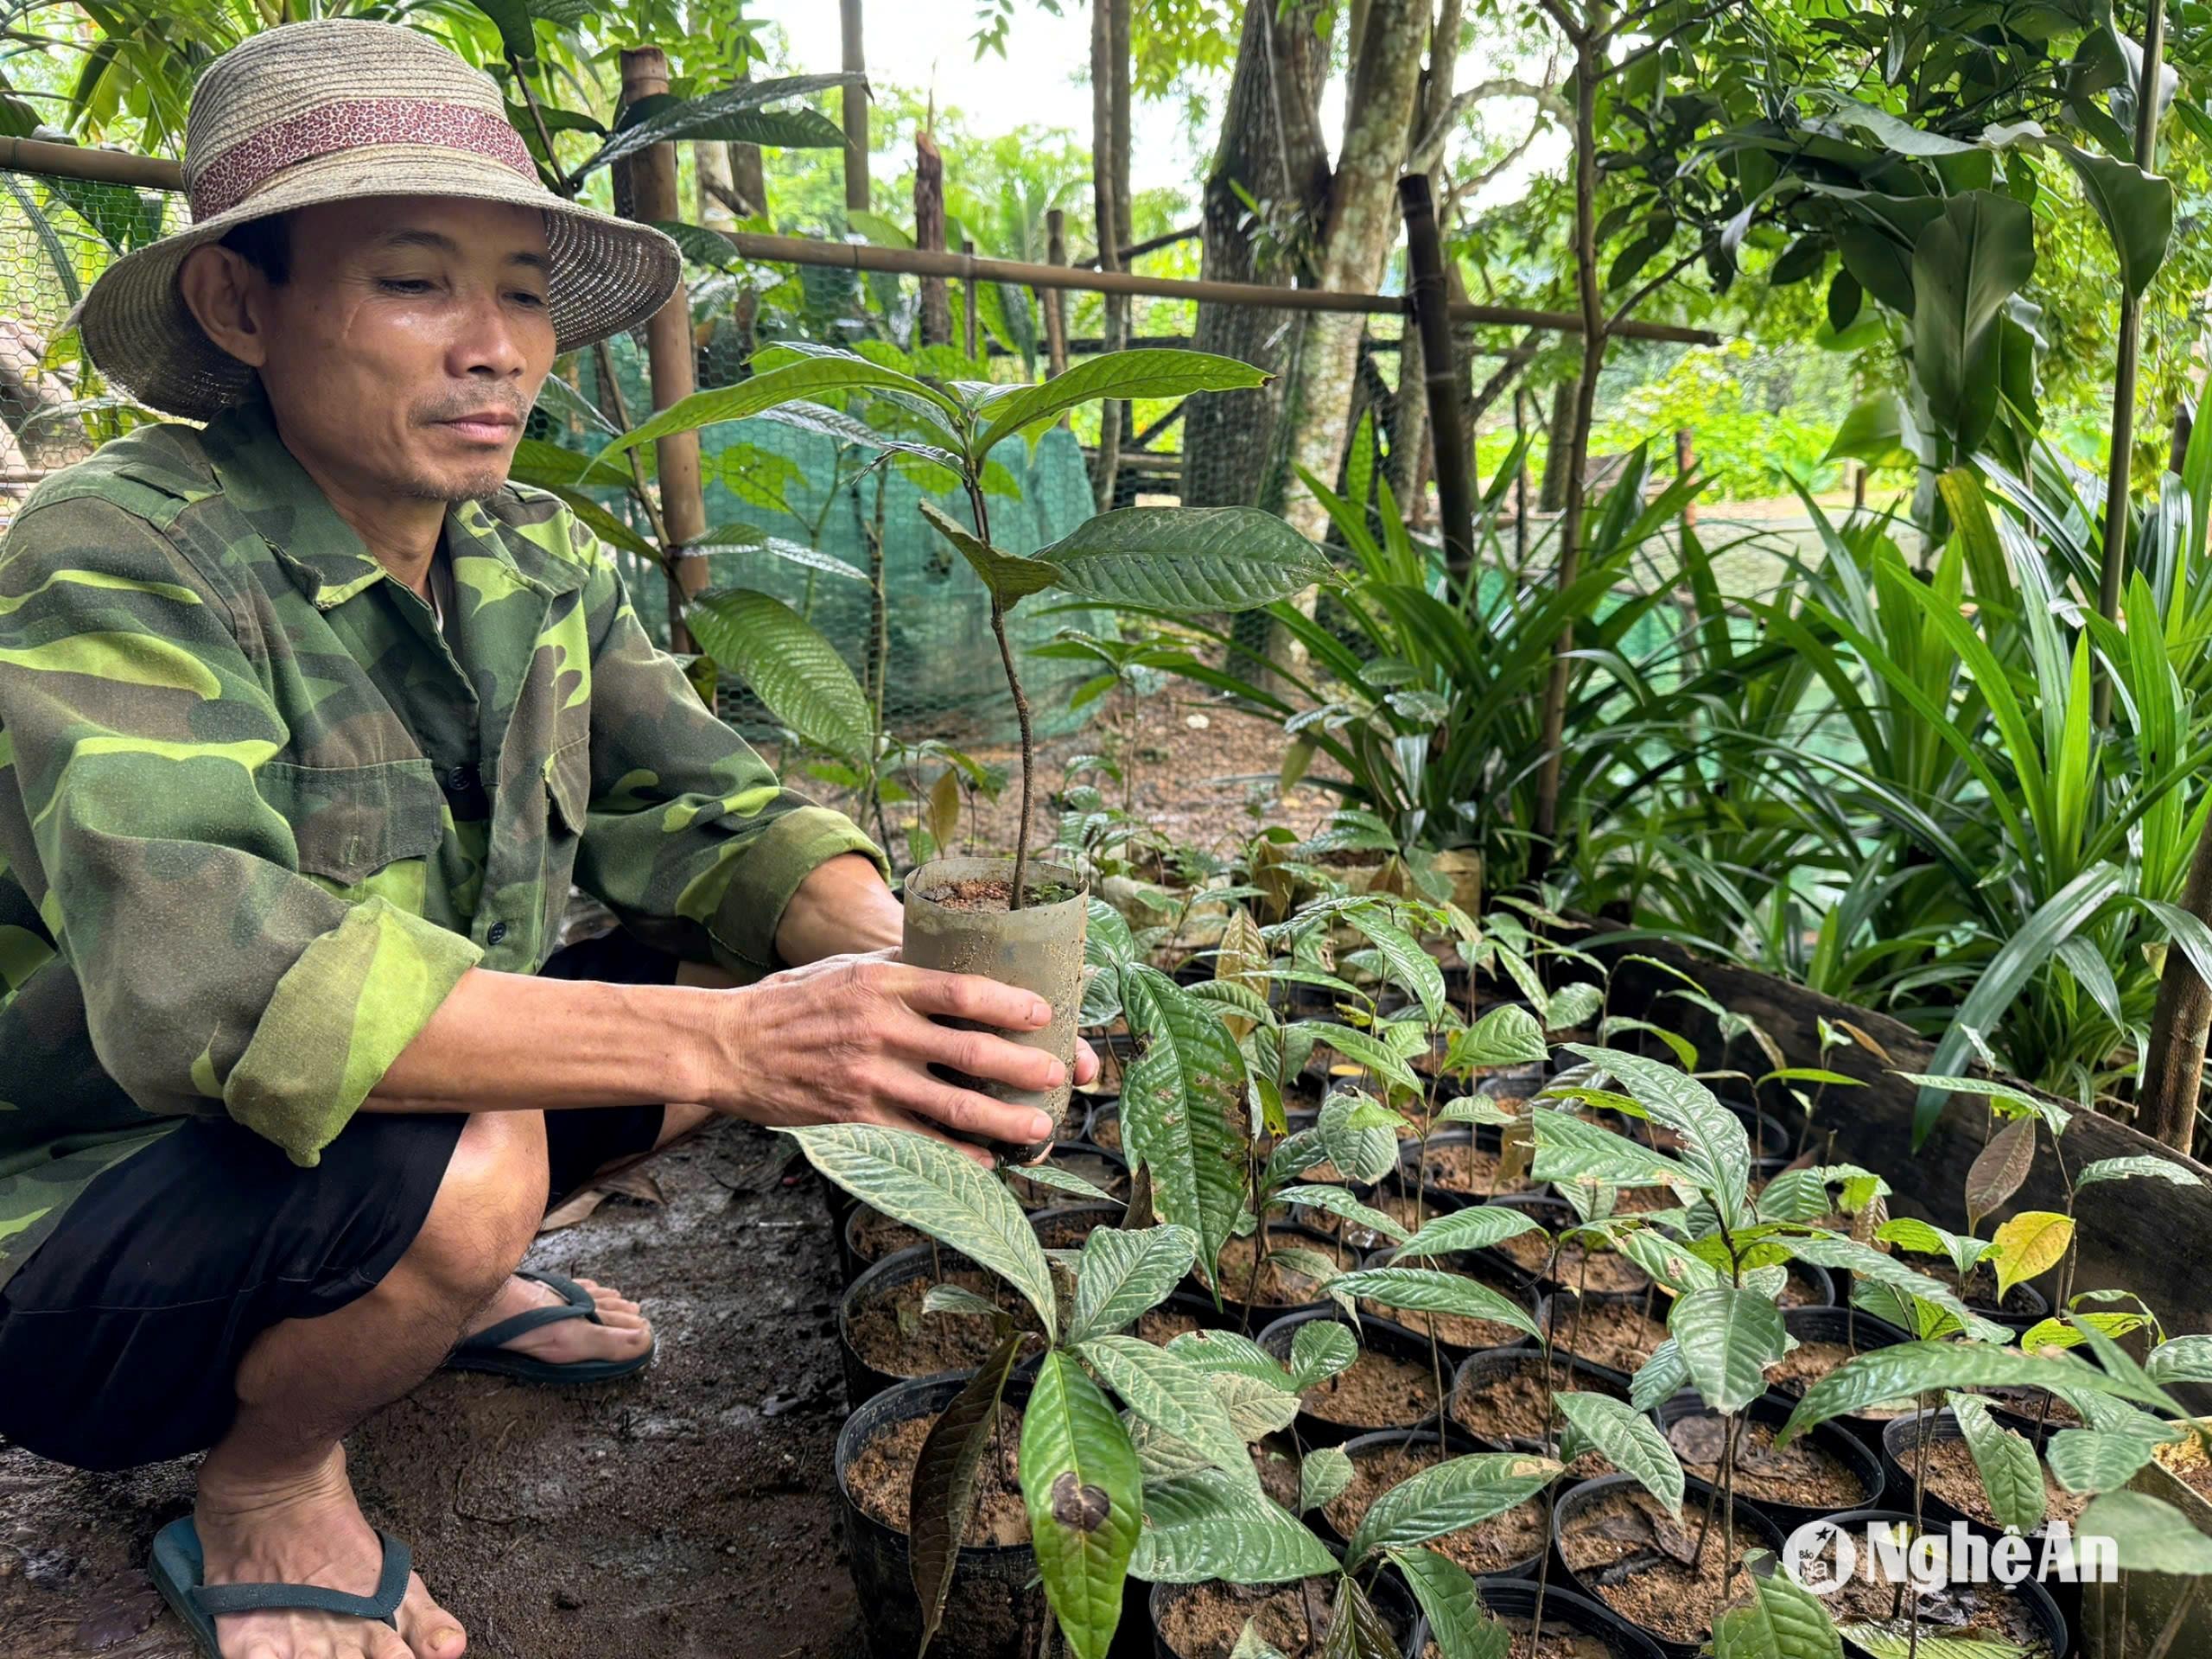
605 275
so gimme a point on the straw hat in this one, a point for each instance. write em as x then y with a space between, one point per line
331 110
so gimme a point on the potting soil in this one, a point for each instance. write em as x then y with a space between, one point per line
1618 1335
1809 1362
1510 1405
1969 1612
882 1478
1601 1270
1277 1286
894 1336
1627 1550
1557 1643
1952 1477
1457 1329
1205 1621
1803 1473
1377 1390
1462 1167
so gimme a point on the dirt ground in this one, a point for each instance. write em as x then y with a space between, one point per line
690 1512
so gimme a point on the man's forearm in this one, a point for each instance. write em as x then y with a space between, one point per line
843 908
516 1042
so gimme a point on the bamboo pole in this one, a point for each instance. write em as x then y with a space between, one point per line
102 166
856 122
669 350
971 302
936 320
1455 496
1051 300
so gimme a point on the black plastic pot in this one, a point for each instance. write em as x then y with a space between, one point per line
1478 1369
1819 1281
1483 1137
1240 1317
1105 1110
1464 1262
849 1248
1390 1598
1070 1155
863 1382
1458 1443
1753 1526
1552 1215
995 1607
1561 1306
1065 1226
1516 1599
2041 1608
1855 1328
1773 1410
1381 1338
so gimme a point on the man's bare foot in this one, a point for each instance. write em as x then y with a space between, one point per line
621 1332
310 1531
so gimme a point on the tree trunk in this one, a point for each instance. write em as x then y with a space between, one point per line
1560 432
1110 172
929 235
854 59
1362 223
1410 426
1272 149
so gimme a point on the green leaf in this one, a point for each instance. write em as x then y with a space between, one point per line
1830 1250
735 115
1142 374
1061 1181
1449 1600
787 663
1504 1036
1999 1169
1323 1474
1356 1629
1969 260
945 1481
934 1190
808 378
2150 1535
1337 1202
1728 1336
1183 1108
1909 1368
1459 1492
1319 1350
1009 578
1894 1641
1359 1136
2032 1242
1084 1492
1715 1146
957 1298
2009 1473
2095 1460
1175 1396
1477 1227
1203 1526
1660 1378
1186 558
2136 208
551 466
1872 432
1125 1272
1569 1149
2121 1169
1900 136
2182 1359
1629 1439
1783 1620
1426 1290
1360 1049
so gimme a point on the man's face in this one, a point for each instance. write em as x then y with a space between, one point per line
409 343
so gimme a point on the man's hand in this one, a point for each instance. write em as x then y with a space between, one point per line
848 1039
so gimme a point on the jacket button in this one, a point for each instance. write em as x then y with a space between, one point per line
460 779
499 931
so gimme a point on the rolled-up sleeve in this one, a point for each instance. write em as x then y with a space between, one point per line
690 838
212 970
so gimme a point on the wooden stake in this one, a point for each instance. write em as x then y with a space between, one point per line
928 236
972 303
1052 300
855 122
669 353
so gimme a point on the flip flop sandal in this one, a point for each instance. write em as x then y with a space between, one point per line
179 1569
484 1351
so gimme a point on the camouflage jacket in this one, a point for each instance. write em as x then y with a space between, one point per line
259 814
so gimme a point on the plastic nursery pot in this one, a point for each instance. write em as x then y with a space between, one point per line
1601 1333
867 1236
1240 1315
1849 1456
865 1377
1107 1171
1394 1196
1457 1444
1283 1623
1498 1394
1900 1444
1460 1162
1611 1276
1851 1330
1753 1526
1810 1285
2039 1617
1515 1601
1384 1388
1456 1334
1101 1124
995 1608
1065 1226
1038 948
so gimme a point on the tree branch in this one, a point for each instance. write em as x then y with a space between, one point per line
1575 33
1659 40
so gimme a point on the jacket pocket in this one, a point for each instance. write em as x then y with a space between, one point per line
350 822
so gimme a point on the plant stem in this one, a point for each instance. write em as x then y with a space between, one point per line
2172 1626
1028 753
1727 1512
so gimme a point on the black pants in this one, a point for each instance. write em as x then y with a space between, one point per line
121 1336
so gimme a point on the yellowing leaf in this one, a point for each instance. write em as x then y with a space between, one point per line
2031 1242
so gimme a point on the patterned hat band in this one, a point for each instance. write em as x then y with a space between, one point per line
235 174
